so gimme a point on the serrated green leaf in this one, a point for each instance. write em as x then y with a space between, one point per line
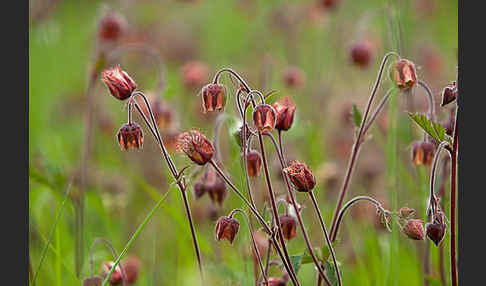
331 272
435 130
356 116
296 261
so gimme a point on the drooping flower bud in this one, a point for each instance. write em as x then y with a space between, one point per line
276 281
300 176
92 281
436 230
362 53
196 146
227 227
194 74
130 135
449 94
289 226
403 74
111 27
131 266
116 276
423 153
414 229
293 77
120 84
254 163
264 117
285 109
406 212
213 97
217 191
329 4
163 113
199 190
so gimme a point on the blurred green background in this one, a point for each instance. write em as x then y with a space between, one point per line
260 40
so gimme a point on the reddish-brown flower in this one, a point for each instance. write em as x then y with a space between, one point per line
194 74
119 83
293 77
116 276
423 153
92 281
285 109
449 94
406 212
436 230
213 185
130 135
131 266
362 53
227 227
111 27
276 281
213 97
289 226
254 163
264 118
196 146
414 229
403 74
300 176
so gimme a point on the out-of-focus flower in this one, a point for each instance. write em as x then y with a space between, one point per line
293 77
423 153
289 226
111 26
194 74
362 52
254 163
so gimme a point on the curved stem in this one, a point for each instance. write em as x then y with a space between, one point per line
428 91
453 202
378 110
433 169
349 204
357 144
113 252
235 74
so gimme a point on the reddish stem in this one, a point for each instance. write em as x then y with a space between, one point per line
453 204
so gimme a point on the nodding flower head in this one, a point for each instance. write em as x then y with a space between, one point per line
362 53
285 109
131 266
436 229
111 27
194 74
196 146
116 276
213 97
92 281
293 77
276 281
264 118
227 228
130 135
254 163
212 184
423 153
406 212
300 176
288 224
163 113
414 229
449 94
120 84
403 74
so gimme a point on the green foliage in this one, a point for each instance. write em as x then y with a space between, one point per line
435 130
357 117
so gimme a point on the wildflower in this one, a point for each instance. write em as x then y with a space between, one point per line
130 135
119 83
111 27
285 109
414 229
293 77
254 163
264 117
116 276
423 153
227 227
300 176
449 94
436 229
131 266
403 74
196 146
194 74
361 53
289 226
213 97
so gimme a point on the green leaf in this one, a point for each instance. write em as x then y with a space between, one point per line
325 251
356 116
296 261
435 130
331 272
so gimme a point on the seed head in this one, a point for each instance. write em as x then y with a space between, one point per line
414 229
130 135
196 146
362 53
227 227
300 176
436 230
423 153
119 83
254 163
289 226
285 109
264 117
403 74
213 97
449 94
